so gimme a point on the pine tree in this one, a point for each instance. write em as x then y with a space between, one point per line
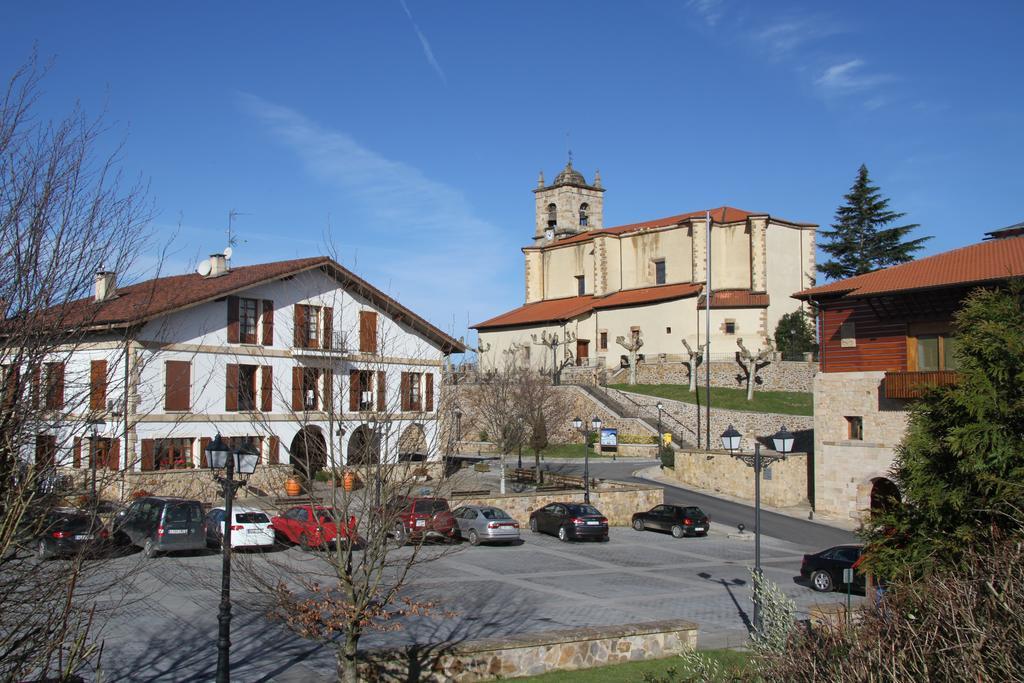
859 241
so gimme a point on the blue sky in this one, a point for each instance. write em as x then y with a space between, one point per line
409 135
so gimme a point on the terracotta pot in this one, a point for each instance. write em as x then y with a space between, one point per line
292 487
349 480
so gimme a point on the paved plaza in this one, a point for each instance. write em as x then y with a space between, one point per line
164 627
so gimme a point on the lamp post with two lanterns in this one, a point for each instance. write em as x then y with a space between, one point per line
595 425
783 442
220 456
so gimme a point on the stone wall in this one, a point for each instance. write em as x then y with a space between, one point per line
784 484
615 500
531 654
779 375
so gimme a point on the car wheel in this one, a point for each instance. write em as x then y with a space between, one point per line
678 531
533 524
563 534
638 524
42 550
821 581
304 542
149 549
474 537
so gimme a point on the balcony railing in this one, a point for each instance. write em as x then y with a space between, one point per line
914 384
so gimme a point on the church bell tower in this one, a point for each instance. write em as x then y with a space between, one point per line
568 206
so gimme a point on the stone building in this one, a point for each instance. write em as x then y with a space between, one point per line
589 284
884 336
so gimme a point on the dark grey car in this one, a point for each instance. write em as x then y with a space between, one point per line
158 524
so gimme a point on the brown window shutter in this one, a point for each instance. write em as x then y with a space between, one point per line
231 388
98 385
267 389
296 388
268 322
204 443
113 455
148 446
233 320
325 333
35 389
177 384
300 327
56 386
275 450
405 392
382 403
368 331
327 400
76 453
353 390
429 391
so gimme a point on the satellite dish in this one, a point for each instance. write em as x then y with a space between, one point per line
203 268
228 252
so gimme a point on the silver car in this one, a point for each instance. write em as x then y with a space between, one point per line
485 523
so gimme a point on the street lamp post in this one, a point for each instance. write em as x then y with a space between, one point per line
783 442
595 425
221 456
98 427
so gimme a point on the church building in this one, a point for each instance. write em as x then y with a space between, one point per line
589 285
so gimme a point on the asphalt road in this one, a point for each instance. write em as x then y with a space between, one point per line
723 513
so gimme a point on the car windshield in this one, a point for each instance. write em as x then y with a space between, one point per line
583 510
494 513
251 518
429 507
182 513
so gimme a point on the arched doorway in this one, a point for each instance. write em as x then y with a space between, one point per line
412 445
363 447
309 451
884 495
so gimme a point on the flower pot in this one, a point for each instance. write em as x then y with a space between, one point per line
349 480
292 487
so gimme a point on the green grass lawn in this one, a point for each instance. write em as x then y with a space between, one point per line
633 672
785 402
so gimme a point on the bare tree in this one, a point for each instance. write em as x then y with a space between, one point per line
696 357
752 362
539 405
633 346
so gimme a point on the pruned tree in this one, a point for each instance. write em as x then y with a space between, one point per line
752 362
696 357
633 346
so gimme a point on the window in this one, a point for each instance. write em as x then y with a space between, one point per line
312 323
177 384
311 388
935 352
247 318
53 386
584 218
659 272
368 331
364 388
855 428
172 454
581 285
602 341
247 387
250 444
668 330
552 216
412 391
729 327
848 335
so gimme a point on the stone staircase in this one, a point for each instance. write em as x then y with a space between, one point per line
624 407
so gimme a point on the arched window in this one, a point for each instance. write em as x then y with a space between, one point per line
584 219
552 215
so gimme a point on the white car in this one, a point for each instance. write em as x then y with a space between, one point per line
251 528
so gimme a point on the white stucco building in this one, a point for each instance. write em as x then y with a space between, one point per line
302 359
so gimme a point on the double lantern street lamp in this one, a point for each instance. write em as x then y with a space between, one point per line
595 425
783 442
220 456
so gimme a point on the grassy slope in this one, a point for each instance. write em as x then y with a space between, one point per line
784 402
634 671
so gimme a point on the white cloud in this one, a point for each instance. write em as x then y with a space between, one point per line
427 51
784 37
849 77
417 238
711 11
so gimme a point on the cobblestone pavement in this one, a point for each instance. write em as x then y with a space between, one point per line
164 628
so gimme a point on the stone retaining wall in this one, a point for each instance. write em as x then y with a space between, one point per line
784 484
532 654
778 375
616 501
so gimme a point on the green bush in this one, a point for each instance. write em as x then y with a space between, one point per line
637 438
322 475
482 435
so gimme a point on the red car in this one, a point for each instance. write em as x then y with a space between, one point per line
414 518
312 527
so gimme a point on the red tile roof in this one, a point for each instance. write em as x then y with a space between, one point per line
736 298
559 310
988 261
138 303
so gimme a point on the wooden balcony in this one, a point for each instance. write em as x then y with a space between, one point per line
913 384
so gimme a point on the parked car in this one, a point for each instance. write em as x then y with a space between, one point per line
681 520
413 519
484 524
67 531
161 524
251 528
570 520
824 569
312 526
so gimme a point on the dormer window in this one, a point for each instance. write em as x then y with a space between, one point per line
584 218
552 215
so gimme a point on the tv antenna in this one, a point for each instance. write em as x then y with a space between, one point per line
233 239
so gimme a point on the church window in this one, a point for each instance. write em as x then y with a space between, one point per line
659 271
730 327
552 215
581 285
584 219
602 341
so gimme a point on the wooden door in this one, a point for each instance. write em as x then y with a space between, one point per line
582 351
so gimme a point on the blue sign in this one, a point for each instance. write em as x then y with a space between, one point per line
609 439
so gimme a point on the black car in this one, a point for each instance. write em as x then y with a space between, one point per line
66 532
570 520
679 519
158 524
824 569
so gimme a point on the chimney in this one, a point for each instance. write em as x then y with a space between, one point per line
218 265
106 285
